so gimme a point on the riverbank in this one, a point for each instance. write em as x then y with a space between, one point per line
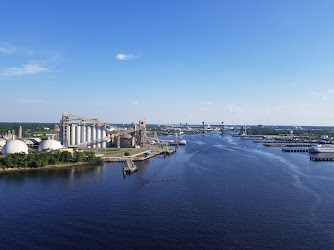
48 167
136 157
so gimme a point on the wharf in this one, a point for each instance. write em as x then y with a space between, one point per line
294 149
321 158
139 157
288 145
279 141
130 167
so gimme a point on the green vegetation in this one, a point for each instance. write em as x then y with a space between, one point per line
41 159
266 131
314 133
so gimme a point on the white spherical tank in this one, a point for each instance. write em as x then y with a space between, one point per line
14 146
49 144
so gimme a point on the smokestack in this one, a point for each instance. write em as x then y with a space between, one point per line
20 132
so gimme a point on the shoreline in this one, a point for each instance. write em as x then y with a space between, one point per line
11 170
113 159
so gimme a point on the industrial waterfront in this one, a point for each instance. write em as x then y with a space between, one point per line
217 191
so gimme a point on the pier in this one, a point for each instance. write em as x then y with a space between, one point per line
288 145
294 149
130 167
321 158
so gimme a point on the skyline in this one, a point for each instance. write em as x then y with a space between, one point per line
174 62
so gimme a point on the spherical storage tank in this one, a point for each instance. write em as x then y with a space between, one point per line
14 146
49 144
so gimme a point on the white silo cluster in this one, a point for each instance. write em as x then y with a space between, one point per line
81 135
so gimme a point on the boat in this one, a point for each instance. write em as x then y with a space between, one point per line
322 148
173 142
183 142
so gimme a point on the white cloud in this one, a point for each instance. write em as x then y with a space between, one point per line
124 57
232 108
26 69
330 91
135 102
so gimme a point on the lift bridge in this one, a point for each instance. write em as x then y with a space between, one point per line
88 133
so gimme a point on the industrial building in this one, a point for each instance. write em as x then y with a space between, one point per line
79 132
86 133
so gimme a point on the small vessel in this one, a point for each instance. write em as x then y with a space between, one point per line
183 142
322 148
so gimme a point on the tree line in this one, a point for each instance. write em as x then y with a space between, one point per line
41 159
316 133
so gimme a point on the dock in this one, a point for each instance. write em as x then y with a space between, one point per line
288 145
321 158
130 167
294 149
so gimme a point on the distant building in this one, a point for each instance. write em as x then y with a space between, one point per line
324 137
243 130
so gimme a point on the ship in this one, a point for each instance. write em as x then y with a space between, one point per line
323 148
181 142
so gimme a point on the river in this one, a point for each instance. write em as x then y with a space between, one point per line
217 191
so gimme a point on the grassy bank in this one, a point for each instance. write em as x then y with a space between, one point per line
42 159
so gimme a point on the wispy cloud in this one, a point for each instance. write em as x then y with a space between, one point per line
135 102
27 101
232 108
330 92
125 57
26 69
7 49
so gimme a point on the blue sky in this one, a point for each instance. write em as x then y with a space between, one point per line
241 62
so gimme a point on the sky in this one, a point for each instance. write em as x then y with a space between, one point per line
169 61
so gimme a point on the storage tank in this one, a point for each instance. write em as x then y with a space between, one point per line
89 136
49 144
83 133
98 137
104 137
94 136
14 146
78 136
73 134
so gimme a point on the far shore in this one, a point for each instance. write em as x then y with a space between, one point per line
10 170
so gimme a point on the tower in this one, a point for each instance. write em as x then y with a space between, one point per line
65 130
20 132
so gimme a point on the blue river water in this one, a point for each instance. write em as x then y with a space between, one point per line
217 191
